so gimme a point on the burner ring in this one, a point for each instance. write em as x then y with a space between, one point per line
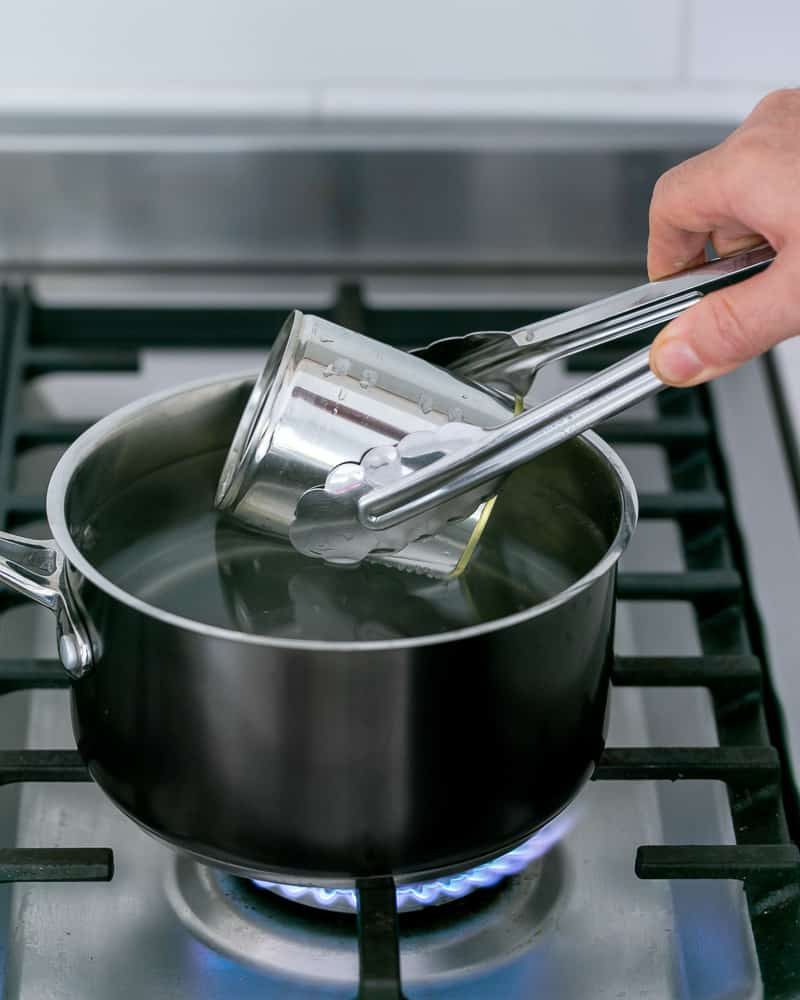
226 914
420 895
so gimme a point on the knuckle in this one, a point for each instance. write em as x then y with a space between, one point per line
743 142
742 166
661 190
668 192
780 100
745 154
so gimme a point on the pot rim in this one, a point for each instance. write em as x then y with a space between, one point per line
72 459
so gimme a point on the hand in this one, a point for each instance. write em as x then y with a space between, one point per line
743 192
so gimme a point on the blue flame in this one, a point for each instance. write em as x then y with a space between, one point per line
439 890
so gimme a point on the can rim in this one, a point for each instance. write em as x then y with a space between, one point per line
254 431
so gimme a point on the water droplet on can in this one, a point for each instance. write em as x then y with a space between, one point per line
455 413
418 444
381 464
368 378
425 402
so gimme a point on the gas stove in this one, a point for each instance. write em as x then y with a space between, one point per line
674 874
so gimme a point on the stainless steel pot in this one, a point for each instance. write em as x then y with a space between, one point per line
320 762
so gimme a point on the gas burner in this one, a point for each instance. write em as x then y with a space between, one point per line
418 895
255 928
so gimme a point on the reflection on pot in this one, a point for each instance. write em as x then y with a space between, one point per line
271 590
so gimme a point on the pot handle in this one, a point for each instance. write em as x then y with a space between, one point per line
37 569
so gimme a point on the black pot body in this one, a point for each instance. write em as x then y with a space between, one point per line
324 765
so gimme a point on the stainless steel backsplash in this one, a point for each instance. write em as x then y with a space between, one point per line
486 203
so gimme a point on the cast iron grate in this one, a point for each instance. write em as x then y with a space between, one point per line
36 341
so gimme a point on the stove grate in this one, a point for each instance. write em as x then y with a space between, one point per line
749 759
36 340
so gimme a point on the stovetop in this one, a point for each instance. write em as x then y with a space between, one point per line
641 898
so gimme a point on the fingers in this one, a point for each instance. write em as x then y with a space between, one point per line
741 193
688 205
671 251
728 241
730 326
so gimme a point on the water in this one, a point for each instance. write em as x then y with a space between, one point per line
162 541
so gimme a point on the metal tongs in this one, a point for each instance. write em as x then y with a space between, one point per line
397 494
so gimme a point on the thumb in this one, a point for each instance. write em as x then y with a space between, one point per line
730 326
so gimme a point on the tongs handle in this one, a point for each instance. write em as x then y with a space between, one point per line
640 303
502 449
497 452
653 304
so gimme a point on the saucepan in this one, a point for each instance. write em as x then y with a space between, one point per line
320 762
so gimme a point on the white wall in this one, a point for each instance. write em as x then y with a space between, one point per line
618 59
